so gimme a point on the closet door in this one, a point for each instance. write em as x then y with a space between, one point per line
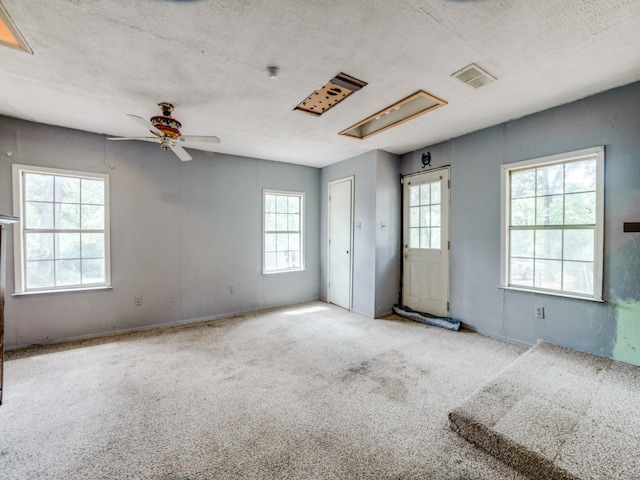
4 221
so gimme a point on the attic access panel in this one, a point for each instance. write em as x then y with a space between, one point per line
400 112
10 36
332 93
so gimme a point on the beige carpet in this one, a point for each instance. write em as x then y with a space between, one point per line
306 392
559 414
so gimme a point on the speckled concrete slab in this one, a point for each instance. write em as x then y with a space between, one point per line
558 414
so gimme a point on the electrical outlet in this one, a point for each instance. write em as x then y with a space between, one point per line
539 312
138 300
232 289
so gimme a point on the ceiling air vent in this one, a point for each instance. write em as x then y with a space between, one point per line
336 90
473 76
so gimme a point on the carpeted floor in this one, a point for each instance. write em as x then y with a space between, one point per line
306 392
559 414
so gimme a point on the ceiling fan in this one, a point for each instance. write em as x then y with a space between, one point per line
166 131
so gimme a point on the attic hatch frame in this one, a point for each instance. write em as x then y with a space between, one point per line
400 112
330 94
10 36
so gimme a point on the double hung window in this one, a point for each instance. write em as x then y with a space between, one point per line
552 235
63 239
283 231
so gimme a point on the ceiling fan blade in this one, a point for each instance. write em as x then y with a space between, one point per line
145 123
145 139
199 139
180 152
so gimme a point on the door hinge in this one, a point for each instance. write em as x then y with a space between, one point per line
329 241
401 181
449 245
447 306
448 183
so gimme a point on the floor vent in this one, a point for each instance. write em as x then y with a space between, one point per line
328 96
473 76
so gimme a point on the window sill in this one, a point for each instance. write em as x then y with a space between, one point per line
553 294
285 271
66 290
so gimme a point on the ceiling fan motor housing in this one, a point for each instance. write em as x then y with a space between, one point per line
167 125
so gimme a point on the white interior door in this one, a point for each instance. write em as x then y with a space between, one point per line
340 242
425 278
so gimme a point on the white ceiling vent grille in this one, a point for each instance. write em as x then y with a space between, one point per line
473 76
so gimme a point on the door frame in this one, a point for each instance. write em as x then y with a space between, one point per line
405 219
351 179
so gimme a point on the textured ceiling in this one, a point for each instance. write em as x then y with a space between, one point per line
97 60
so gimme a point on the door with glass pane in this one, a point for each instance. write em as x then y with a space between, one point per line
425 278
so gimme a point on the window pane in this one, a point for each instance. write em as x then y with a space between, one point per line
580 209
67 216
550 180
38 215
425 194
67 272
67 245
270 221
435 237
93 271
549 244
521 272
414 195
294 204
435 216
270 242
270 203
548 274
523 211
281 222
549 210
270 261
293 222
522 243
294 260
92 191
523 184
92 217
38 187
294 241
414 216
39 246
40 274
92 245
67 190
281 204
282 242
282 262
414 238
436 193
578 277
424 238
578 245
580 176
425 216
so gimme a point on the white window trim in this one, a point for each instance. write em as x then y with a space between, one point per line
598 266
303 216
18 231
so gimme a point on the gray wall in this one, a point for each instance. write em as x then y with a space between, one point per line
181 234
376 251
610 329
